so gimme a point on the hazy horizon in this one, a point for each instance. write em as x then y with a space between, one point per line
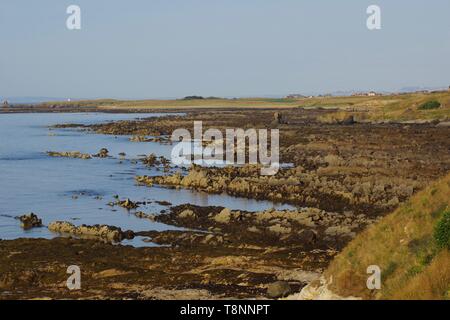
161 50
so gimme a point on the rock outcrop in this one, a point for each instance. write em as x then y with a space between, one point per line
69 154
318 290
105 232
103 153
29 221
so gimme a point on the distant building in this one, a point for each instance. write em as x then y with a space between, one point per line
295 96
5 104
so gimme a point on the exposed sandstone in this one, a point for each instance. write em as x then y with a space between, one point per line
223 216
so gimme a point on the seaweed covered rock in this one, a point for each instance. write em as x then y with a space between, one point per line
29 221
128 204
103 153
69 154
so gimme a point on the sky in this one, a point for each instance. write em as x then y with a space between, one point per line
140 49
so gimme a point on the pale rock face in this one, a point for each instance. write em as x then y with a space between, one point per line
443 124
254 229
318 290
187 214
223 216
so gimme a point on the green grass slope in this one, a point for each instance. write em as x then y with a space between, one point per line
413 256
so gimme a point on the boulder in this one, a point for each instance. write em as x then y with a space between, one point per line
349 120
277 118
187 214
29 221
278 289
307 236
223 216
143 215
128 204
150 160
103 153
443 124
279 229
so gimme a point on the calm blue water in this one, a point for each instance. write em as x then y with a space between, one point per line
78 190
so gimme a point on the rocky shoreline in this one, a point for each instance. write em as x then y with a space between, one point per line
232 254
190 264
343 177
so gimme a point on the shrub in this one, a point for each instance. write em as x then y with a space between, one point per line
429 105
442 231
193 98
415 270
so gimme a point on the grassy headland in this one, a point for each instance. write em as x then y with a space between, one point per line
393 107
403 245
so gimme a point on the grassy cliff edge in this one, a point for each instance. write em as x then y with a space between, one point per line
402 244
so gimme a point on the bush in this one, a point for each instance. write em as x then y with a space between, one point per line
429 105
193 98
442 231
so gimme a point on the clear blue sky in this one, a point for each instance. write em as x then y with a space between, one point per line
173 48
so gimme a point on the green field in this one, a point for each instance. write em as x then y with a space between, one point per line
394 107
